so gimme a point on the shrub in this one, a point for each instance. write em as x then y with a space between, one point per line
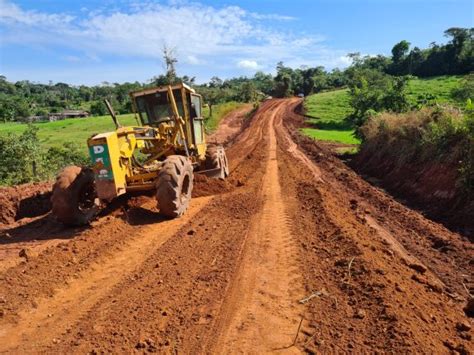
444 134
22 159
465 91
372 91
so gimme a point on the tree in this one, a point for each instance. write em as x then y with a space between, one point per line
263 82
465 91
98 108
399 51
282 83
170 62
247 92
372 91
211 96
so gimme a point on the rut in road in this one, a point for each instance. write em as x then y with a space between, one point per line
41 325
263 312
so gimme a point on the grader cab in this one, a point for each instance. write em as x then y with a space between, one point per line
161 154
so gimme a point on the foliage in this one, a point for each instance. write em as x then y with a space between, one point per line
372 91
465 91
23 160
326 113
417 137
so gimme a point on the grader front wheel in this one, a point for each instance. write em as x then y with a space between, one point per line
174 186
74 200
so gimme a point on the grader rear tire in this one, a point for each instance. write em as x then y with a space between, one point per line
74 199
174 186
216 158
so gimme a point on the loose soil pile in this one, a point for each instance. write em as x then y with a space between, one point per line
29 200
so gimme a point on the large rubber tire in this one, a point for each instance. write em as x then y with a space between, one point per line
174 186
216 158
74 199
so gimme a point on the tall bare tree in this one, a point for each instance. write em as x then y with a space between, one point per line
170 62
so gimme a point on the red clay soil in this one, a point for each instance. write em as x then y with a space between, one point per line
435 188
296 252
230 126
28 200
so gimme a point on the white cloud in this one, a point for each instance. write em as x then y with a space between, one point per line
192 59
272 17
11 13
200 34
248 64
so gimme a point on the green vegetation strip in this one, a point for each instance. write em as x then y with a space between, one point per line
218 113
327 112
76 131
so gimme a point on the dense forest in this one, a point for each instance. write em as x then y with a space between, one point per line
24 99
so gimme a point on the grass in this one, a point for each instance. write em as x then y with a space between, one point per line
78 130
327 111
218 112
345 137
74 130
440 87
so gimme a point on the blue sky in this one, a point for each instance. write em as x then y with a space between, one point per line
89 42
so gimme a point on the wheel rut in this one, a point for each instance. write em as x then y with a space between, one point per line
39 326
263 312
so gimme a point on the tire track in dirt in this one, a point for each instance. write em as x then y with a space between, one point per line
189 279
262 313
374 294
40 325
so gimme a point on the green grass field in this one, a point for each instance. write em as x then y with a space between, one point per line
440 87
327 110
218 112
78 130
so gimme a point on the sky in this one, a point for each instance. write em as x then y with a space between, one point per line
90 42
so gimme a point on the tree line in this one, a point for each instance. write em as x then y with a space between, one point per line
24 98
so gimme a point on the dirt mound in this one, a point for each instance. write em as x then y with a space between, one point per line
204 186
28 200
433 187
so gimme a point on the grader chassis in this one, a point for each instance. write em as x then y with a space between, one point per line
160 154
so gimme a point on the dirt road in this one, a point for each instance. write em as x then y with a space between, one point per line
294 253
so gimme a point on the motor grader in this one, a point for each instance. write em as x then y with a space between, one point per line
160 154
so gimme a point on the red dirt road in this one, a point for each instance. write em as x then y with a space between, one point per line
294 253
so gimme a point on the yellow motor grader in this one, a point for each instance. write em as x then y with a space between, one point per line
160 154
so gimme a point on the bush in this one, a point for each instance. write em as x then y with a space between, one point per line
22 160
465 91
373 91
444 134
